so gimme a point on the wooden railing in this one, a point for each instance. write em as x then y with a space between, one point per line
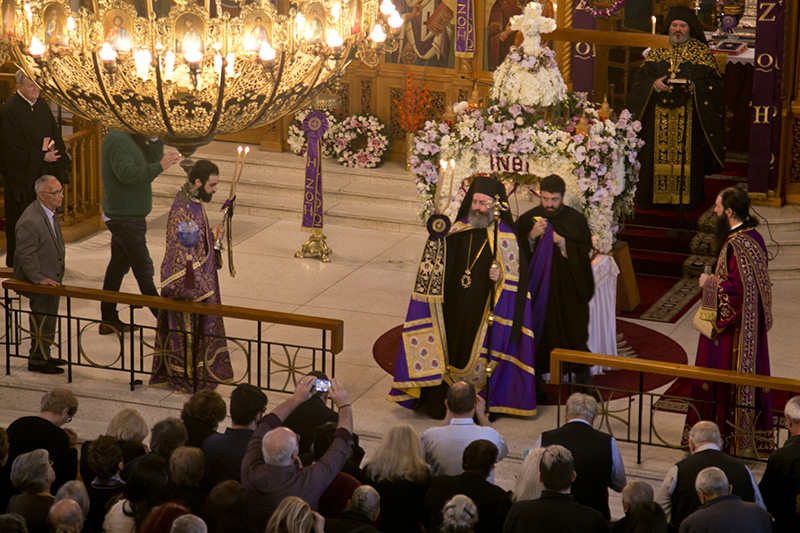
84 194
263 360
560 357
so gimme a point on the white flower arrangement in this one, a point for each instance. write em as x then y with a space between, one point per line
361 129
298 142
533 129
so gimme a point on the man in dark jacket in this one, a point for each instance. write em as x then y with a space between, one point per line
556 511
677 494
780 485
492 502
723 512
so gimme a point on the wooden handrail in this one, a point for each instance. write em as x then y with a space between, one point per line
78 135
608 38
6 272
668 369
336 327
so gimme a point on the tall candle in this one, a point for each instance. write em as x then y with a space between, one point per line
653 25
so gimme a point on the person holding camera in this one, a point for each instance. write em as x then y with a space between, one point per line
678 96
271 470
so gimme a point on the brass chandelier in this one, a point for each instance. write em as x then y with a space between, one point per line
185 71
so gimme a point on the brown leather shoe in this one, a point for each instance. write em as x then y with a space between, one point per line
117 327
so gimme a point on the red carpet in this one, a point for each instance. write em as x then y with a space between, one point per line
649 344
682 388
651 288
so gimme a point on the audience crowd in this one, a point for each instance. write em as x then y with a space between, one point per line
255 476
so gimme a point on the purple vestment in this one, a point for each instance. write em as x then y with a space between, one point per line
422 360
739 300
190 346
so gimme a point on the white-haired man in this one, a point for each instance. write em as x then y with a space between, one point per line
781 482
270 468
633 494
40 259
598 461
677 495
721 511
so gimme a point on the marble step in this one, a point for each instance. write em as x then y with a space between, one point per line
272 185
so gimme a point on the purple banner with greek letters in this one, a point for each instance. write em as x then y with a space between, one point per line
465 28
765 114
314 127
583 54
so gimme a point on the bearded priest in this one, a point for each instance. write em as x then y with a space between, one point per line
678 96
737 301
191 351
446 336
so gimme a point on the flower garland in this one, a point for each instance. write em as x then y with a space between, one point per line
597 158
298 142
361 130
604 12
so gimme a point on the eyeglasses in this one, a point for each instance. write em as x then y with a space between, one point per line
59 192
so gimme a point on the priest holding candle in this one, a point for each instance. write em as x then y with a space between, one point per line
191 351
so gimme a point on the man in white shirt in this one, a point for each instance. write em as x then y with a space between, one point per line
444 445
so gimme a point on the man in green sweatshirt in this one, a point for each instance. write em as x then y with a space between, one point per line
129 164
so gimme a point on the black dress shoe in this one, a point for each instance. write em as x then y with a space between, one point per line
112 328
57 362
46 368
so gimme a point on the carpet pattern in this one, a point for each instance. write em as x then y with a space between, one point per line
669 307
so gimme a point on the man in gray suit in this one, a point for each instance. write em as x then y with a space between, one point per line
39 259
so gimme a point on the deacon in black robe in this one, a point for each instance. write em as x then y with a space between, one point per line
571 282
662 107
26 122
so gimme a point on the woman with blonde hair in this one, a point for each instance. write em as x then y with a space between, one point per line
130 430
529 485
400 475
293 515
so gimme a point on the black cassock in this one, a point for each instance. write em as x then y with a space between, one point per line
23 130
566 322
665 133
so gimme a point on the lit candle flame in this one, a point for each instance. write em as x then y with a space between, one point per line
142 59
169 65
334 39
107 53
378 35
37 48
395 20
267 53
70 24
387 7
193 55
229 69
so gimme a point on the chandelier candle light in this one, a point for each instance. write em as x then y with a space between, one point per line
188 72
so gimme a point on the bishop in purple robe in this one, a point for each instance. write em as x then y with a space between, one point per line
191 351
737 300
447 336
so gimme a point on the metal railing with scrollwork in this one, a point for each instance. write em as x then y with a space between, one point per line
635 423
268 364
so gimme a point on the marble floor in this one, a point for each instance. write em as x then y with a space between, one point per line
367 284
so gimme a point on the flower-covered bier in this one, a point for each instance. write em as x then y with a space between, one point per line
529 75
